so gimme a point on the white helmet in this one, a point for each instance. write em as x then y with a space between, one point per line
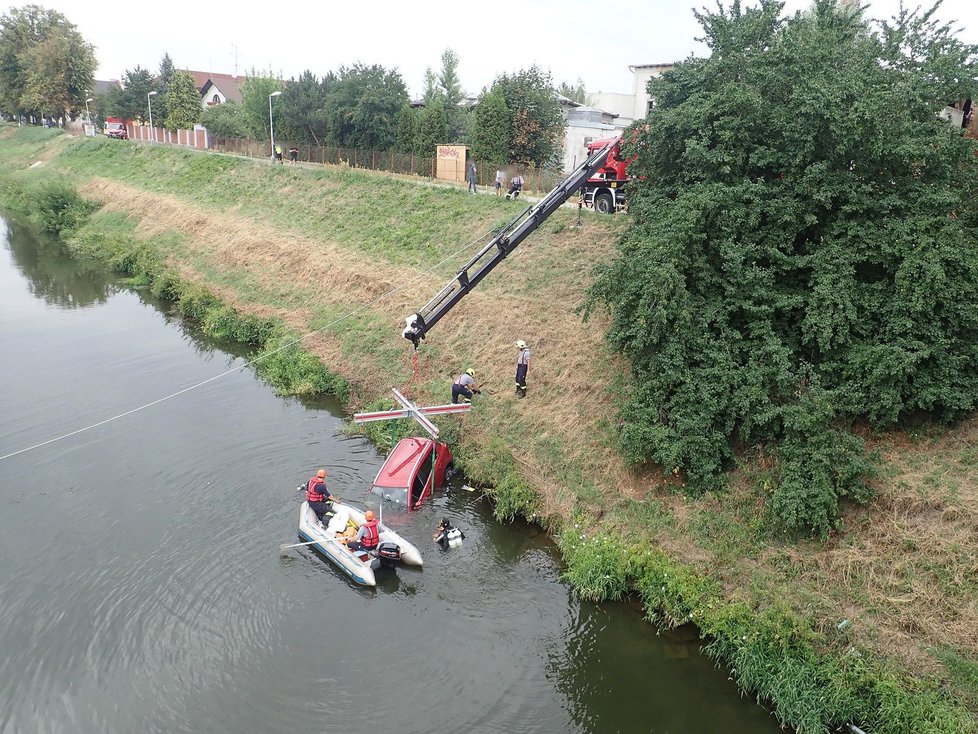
521 344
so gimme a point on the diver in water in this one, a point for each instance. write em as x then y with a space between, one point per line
447 535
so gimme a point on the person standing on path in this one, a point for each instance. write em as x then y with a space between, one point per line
293 155
472 176
522 364
500 180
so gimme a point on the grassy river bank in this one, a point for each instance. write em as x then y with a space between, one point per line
878 626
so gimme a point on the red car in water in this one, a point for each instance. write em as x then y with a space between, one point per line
406 478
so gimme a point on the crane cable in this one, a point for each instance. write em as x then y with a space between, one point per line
260 357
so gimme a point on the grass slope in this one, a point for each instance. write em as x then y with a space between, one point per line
878 626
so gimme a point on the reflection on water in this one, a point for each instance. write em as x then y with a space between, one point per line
58 280
141 587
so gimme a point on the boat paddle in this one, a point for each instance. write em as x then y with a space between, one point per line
296 545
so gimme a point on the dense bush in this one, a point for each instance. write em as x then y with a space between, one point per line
599 567
800 252
291 371
57 207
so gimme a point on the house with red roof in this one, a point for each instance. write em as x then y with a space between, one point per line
217 88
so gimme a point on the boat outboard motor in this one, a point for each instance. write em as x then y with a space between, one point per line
389 554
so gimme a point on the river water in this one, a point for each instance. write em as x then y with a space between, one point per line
142 588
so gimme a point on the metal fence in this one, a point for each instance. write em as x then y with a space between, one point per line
536 180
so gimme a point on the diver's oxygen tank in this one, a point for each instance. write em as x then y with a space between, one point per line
454 538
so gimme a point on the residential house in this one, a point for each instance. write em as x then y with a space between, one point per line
100 87
217 88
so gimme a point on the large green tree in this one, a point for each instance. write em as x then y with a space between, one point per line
491 136
225 120
46 67
131 101
407 123
456 116
302 109
182 102
576 91
362 107
255 91
161 105
801 250
432 129
536 119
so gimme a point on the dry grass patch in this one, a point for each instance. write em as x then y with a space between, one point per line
570 375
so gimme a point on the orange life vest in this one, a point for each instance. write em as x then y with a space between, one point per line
370 536
312 490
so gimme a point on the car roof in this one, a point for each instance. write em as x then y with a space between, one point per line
398 470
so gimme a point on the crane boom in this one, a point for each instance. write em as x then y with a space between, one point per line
507 240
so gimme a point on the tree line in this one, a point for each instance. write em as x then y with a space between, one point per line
518 119
47 70
46 67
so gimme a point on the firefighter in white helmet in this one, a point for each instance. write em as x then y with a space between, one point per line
522 364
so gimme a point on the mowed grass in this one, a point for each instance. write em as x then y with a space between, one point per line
383 216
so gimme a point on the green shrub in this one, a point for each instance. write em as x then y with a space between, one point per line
599 567
768 253
492 465
513 497
819 465
195 302
58 208
224 322
292 371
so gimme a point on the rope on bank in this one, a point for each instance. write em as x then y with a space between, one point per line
257 359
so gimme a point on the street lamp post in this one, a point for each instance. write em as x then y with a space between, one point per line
87 115
149 101
271 121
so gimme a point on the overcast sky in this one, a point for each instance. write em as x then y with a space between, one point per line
593 41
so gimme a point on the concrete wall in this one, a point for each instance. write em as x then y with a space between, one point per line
575 144
620 103
640 77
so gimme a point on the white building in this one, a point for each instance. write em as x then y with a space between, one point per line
633 106
584 124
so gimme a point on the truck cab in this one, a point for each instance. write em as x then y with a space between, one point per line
604 191
115 127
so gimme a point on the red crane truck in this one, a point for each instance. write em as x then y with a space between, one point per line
605 189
